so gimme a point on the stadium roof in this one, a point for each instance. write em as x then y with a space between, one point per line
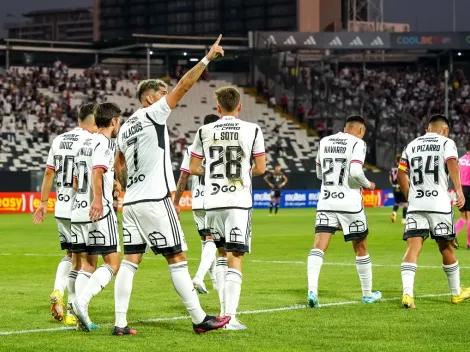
55 11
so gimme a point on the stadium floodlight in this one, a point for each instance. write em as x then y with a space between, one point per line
193 59
459 54
185 53
151 52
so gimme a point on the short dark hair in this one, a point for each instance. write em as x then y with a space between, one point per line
211 118
228 98
277 164
147 84
356 118
85 111
438 118
105 112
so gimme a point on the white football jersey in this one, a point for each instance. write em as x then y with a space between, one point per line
96 152
425 160
61 159
197 182
144 141
340 192
228 147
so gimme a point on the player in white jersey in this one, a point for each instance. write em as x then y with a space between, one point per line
423 175
149 217
94 223
199 214
60 164
340 161
229 146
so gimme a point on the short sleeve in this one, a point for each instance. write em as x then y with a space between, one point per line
404 163
159 111
198 149
358 154
185 164
450 150
102 158
258 143
50 160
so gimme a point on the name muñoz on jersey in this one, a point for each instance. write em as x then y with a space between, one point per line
336 154
197 182
96 152
425 160
61 159
144 141
228 147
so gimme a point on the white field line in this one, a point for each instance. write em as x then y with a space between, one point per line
297 262
247 312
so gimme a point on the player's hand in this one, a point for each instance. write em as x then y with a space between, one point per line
117 188
216 50
40 213
460 199
96 210
372 186
177 208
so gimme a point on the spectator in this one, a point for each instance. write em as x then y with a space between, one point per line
284 103
272 101
311 118
300 112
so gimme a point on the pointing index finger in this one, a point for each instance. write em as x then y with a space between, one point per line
218 39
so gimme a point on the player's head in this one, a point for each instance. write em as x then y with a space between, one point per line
228 101
86 117
150 91
397 158
277 167
108 116
211 118
438 124
355 125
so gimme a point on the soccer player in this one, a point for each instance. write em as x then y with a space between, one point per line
423 176
149 217
276 181
397 193
464 163
199 214
229 147
339 163
60 164
94 223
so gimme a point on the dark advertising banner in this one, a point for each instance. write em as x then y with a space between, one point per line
356 40
425 40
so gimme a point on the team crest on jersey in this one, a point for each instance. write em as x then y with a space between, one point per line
87 142
107 152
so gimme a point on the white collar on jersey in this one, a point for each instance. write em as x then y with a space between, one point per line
228 118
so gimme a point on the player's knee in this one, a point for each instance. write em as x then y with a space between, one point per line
176 258
69 253
446 247
133 258
222 252
360 248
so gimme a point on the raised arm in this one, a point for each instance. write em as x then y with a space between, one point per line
191 77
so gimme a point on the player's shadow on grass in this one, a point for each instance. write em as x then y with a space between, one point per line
176 325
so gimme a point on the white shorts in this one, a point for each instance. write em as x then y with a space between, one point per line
99 237
354 225
421 224
231 229
154 225
200 220
65 235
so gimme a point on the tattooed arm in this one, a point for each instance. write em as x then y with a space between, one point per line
120 170
191 77
180 188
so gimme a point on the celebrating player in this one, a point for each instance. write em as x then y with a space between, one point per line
199 214
276 181
149 217
339 162
423 177
228 148
60 163
94 223
464 163
400 199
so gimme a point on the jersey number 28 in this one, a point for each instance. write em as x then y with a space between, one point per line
233 161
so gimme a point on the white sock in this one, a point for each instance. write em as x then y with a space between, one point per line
314 263
71 285
98 281
207 257
212 270
185 289
62 274
221 273
408 272
233 287
453 276
364 270
81 281
122 291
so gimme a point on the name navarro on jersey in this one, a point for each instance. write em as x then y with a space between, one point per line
335 150
68 140
426 148
137 127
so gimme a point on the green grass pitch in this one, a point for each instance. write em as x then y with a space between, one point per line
273 295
